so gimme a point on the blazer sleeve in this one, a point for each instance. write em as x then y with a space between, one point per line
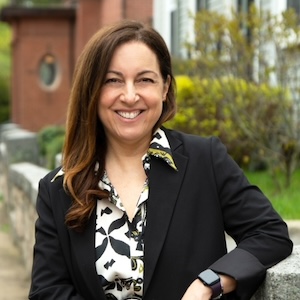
260 233
50 276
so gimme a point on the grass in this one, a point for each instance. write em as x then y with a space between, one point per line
4 227
286 201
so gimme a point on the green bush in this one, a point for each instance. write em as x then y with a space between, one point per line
5 67
4 100
247 117
51 140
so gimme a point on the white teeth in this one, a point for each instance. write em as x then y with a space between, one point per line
128 115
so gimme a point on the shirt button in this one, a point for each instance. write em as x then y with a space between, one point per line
139 280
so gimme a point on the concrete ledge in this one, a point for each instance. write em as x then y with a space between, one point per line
283 280
19 145
22 188
26 176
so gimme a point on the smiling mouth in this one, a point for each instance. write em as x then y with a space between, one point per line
129 115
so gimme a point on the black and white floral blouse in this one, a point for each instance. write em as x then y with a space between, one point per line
119 241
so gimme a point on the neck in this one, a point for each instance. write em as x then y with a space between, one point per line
126 155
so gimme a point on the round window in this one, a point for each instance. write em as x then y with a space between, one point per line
48 70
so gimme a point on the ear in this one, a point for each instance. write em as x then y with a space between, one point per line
166 87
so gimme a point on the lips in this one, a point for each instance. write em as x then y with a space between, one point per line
129 115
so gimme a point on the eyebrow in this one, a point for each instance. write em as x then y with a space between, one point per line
139 73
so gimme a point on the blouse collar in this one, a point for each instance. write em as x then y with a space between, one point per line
159 147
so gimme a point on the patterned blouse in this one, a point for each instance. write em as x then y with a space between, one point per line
119 241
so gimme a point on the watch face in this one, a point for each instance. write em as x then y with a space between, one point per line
209 277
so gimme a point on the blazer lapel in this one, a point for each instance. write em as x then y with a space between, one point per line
83 247
164 187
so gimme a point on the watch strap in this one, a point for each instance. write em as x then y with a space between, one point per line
217 290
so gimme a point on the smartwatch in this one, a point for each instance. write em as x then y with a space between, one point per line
211 279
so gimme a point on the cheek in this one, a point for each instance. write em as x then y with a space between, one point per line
104 101
158 107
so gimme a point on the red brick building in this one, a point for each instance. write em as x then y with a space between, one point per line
45 45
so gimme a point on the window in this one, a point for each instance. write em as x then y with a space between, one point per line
295 4
202 4
243 5
175 45
48 71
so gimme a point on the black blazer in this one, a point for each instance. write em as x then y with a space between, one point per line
187 213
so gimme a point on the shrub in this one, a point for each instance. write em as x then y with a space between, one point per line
5 67
4 100
50 140
247 117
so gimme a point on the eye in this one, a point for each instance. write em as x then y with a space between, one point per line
112 80
146 80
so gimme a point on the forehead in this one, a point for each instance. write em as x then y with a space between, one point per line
134 52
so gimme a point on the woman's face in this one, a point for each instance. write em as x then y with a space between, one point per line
131 99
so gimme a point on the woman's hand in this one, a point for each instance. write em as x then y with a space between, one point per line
197 291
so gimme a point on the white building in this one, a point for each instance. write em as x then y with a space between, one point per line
172 18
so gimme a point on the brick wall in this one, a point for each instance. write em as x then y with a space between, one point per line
62 33
35 105
93 14
134 10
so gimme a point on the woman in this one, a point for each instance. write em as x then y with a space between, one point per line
138 211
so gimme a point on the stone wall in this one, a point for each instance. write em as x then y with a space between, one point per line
23 181
19 186
19 177
283 280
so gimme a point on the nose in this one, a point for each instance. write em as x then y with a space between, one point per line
129 94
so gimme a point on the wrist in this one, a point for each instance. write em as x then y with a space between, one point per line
212 280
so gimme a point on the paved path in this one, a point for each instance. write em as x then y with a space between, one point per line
13 282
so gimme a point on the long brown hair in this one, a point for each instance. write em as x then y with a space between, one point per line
85 142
